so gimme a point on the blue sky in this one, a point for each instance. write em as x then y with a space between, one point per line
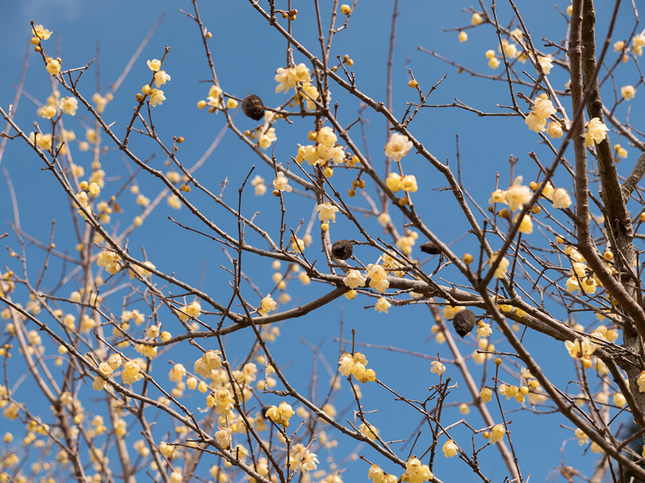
246 54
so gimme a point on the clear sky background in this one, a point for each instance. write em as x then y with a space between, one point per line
246 54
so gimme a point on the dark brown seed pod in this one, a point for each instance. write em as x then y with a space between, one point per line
464 321
342 249
253 107
431 248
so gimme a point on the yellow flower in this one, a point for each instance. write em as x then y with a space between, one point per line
40 33
46 111
526 226
416 472
397 146
437 368
640 380
156 97
561 198
596 132
409 183
517 194
267 137
161 78
546 63
267 305
69 105
500 271
281 183
621 152
354 279
53 66
326 212
463 36
497 433
326 137
393 182
450 448
637 43
382 305
485 394
627 92
288 77
554 130
154 65
476 19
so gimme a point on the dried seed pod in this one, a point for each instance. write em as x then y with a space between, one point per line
342 249
464 321
253 107
431 248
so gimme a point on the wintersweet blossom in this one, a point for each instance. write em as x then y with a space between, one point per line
368 430
192 310
161 77
546 63
384 219
409 183
640 380
450 448
53 66
526 225
267 137
154 65
208 363
638 43
596 132
258 183
580 348
581 436
326 212
561 198
437 368
500 271
69 105
393 182
497 433
281 183
416 472
382 305
326 136
354 279
554 130
267 304
542 109
397 146
46 112
621 152
517 194
378 277
156 97
476 19
289 76
40 33
627 92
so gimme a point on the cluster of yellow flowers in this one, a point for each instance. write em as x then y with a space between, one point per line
355 365
280 414
377 475
190 311
416 472
325 150
300 458
542 110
